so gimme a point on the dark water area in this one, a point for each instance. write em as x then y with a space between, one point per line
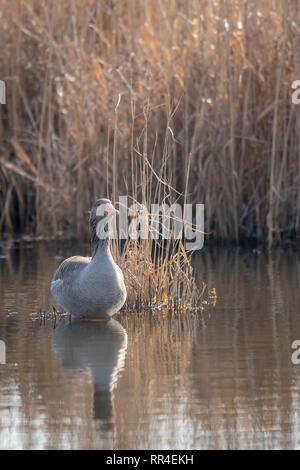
219 379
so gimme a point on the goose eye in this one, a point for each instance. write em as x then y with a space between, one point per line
110 210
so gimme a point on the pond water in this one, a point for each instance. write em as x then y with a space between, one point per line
219 379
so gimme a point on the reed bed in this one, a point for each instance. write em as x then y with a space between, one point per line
157 268
92 86
164 281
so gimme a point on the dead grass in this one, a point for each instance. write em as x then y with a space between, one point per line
205 83
158 272
165 282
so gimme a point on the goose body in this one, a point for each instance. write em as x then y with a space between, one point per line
91 287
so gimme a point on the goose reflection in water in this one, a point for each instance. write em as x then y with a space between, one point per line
99 346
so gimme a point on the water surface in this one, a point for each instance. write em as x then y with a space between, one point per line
220 379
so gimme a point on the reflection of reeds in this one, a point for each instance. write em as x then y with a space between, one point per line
229 385
68 64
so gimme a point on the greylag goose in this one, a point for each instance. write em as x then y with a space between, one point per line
92 287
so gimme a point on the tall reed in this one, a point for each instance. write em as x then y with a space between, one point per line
157 268
213 77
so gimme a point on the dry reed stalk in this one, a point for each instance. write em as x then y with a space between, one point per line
214 62
158 273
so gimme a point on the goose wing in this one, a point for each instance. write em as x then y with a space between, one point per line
69 266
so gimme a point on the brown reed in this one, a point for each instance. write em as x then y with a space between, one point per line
198 83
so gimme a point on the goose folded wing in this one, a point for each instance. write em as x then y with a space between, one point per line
70 266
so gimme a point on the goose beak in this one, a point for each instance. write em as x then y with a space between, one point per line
110 210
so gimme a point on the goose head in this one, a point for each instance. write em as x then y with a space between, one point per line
101 214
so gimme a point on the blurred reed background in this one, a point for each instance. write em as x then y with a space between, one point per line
97 91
